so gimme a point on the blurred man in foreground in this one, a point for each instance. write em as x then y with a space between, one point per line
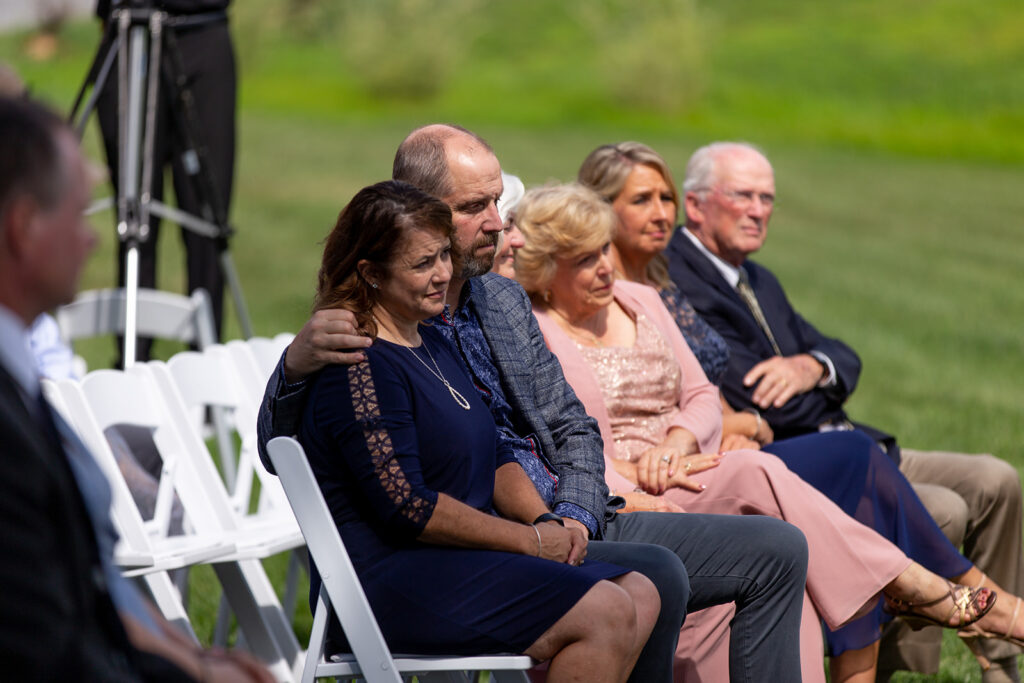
65 610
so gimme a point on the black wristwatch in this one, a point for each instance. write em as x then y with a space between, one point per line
550 517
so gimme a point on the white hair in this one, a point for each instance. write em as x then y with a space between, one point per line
700 169
511 195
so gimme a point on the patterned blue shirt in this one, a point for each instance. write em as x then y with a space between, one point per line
463 329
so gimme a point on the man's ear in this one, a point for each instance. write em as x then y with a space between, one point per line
17 224
692 206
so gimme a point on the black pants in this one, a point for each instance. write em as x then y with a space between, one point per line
208 60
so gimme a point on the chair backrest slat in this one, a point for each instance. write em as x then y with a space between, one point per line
328 552
166 315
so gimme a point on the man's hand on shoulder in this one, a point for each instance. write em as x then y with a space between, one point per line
780 378
330 336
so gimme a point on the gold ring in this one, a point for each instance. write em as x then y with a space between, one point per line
686 467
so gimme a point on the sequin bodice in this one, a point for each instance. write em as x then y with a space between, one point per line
640 386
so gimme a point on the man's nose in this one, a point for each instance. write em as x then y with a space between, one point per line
492 220
758 208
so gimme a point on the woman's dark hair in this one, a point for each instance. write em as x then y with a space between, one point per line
373 228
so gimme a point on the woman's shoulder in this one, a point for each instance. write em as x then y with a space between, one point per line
638 295
381 362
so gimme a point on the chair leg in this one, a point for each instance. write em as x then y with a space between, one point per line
298 561
222 629
168 601
225 447
267 632
317 638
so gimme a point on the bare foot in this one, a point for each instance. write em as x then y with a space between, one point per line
1007 616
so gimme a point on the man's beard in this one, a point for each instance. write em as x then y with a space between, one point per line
473 265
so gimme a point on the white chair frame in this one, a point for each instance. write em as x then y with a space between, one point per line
139 552
166 315
137 396
342 594
210 379
160 314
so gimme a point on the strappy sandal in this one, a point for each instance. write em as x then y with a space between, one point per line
973 634
965 607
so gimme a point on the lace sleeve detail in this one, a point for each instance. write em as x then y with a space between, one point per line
707 345
415 509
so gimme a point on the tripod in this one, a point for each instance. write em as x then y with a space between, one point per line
138 38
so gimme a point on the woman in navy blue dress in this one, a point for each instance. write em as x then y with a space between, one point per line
436 519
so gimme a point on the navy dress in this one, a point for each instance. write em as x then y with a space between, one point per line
384 438
849 468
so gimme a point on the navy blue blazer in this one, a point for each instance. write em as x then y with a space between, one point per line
724 310
57 620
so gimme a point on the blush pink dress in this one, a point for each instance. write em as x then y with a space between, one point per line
636 394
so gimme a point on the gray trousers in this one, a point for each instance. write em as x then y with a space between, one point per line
976 500
758 563
667 573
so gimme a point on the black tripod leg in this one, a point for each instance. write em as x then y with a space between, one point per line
95 77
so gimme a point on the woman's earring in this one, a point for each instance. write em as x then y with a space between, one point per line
374 285
547 296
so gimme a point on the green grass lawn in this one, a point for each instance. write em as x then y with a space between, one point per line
894 128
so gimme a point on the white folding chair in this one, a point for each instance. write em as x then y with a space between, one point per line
209 380
142 551
342 593
250 372
267 352
254 374
164 315
145 396
100 312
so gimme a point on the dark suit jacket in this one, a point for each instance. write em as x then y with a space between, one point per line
724 310
543 402
56 618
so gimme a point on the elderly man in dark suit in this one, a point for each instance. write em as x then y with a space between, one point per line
489 318
65 610
798 378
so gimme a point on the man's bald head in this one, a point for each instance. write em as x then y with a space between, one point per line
459 168
422 158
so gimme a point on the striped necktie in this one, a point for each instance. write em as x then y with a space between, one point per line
746 293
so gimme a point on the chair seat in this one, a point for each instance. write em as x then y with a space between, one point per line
259 546
176 552
411 665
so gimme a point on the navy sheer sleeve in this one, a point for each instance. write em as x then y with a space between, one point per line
363 416
711 350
